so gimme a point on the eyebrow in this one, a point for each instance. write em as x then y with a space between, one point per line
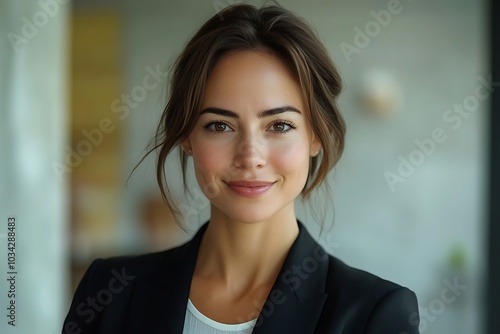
262 114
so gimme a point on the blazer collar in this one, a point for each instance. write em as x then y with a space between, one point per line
294 304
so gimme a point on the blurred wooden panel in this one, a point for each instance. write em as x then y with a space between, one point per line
96 134
96 67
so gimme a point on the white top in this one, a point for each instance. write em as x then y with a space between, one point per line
197 323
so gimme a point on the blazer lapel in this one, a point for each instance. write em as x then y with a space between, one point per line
296 300
294 304
160 299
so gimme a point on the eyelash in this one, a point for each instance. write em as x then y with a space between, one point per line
291 126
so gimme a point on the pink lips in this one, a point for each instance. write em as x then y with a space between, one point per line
247 188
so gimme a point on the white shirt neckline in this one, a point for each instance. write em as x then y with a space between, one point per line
219 325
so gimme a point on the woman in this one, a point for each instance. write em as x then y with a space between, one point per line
253 104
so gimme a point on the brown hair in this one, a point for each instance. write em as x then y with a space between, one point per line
247 28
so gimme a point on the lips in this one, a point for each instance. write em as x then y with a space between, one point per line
249 188
249 183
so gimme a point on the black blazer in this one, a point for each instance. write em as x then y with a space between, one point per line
314 293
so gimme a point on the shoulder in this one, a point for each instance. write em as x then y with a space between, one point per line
355 281
368 302
102 270
138 264
113 280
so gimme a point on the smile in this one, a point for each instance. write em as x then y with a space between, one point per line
249 188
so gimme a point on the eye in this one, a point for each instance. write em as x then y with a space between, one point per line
282 126
218 127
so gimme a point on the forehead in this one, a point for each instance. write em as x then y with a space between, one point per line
251 80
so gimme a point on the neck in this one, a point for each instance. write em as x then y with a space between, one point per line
243 256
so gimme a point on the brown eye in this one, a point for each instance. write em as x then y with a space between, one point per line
281 127
220 127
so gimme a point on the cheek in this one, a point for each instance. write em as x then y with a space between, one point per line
291 160
209 161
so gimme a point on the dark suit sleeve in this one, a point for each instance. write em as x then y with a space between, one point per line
81 318
395 313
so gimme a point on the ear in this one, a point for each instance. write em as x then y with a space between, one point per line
186 146
315 146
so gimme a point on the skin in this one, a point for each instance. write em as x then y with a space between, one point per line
247 239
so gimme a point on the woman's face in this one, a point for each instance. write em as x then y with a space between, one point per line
252 143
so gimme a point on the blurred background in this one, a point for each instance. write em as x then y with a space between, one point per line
82 87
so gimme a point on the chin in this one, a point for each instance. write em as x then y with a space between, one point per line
253 213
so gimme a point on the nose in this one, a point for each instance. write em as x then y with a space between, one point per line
250 154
